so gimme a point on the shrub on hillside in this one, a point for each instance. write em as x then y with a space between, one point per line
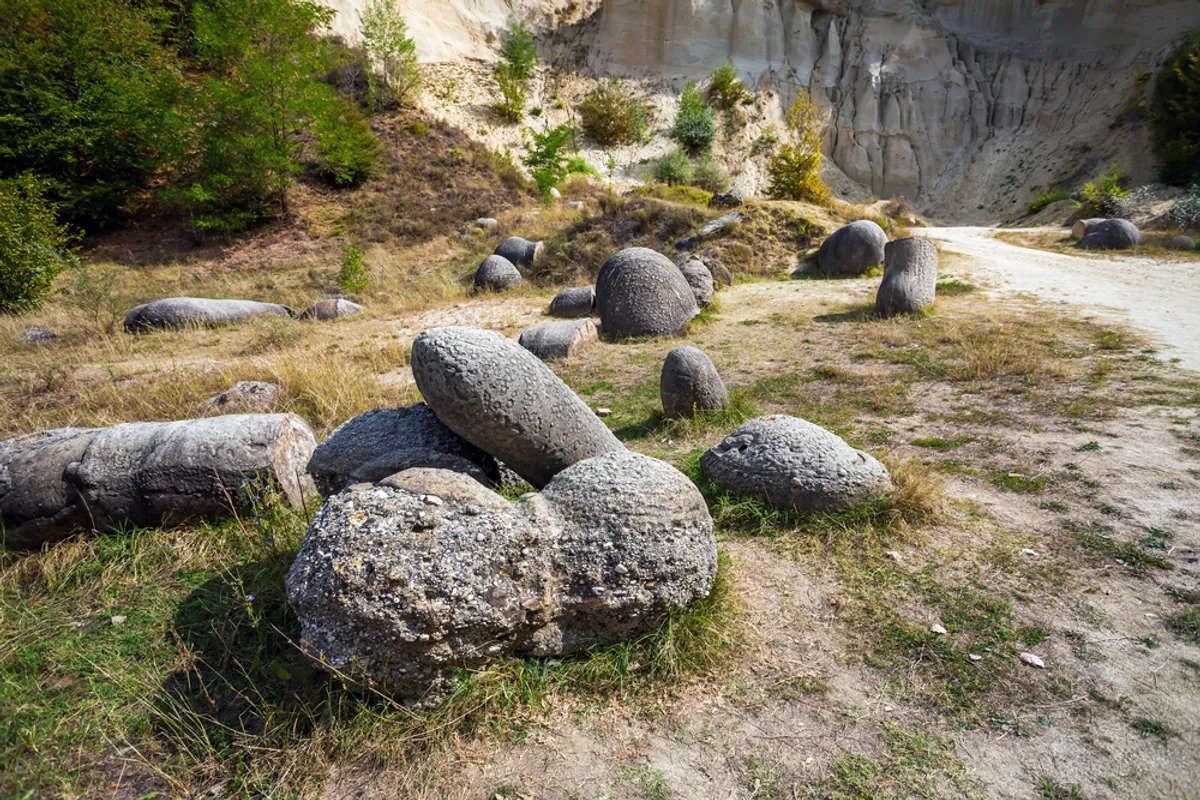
610 116
725 88
695 123
392 78
1105 194
353 276
1185 213
1176 111
1043 199
33 246
795 167
519 52
673 169
346 149
710 176
545 157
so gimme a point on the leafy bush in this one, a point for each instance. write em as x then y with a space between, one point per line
695 124
1185 213
393 78
1176 110
1105 194
709 175
346 149
544 156
673 169
725 88
353 276
513 92
795 167
610 116
578 165
33 245
519 52
1044 199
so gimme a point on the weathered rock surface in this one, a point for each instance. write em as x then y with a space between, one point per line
245 397
852 249
572 303
551 340
501 398
496 274
399 584
521 252
1183 243
909 277
712 228
641 293
1111 234
700 279
374 445
38 335
55 483
332 308
689 383
188 312
792 463
1083 227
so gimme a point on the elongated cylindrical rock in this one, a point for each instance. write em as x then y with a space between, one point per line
909 277
552 340
573 303
521 252
38 504
199 312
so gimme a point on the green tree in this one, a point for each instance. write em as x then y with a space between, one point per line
87 97
1177 114
33 245
794 169
725 88
519 52
545 156
695 124
393 78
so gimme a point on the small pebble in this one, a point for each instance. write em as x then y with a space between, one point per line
117 620
975 657
622 569
432 500
938 629
894 556
603 412
1033 661
1028 552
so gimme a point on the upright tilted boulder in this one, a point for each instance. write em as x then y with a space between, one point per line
689 384
501 398
1111 234
496 274
696 273
400 584
573 303
641 293
385 441
199 312
551 340
521 252
794 464
852 249
909 277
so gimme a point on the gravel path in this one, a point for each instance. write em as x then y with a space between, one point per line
1160 297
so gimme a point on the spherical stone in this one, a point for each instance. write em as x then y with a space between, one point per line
501 398
792 463
188 312
521 252
697 274
1111 234
573 303
641 293
852 249
552 340
496 274
909 277
689 383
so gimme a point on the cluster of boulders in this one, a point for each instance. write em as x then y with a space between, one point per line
500 271
1106 234
910 265
206 312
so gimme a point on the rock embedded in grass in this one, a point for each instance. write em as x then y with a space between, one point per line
519 251
379 443
501 398
496 274
909 278
199 312
38 501
689 384
245 397
793 464
1111 234
573 303
639 292
395 593
551 340
1183 243
698 276
852 249
731 199
332 308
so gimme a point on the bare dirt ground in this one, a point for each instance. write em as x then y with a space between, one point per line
1159 296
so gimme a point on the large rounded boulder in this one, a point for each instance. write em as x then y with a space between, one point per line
909 278
496 274
1111 234
501 398
689 383
199 312
852 249
639 292
793 464
521 252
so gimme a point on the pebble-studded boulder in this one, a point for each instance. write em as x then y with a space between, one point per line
641 293
196 312
401 583
689 383
909 277
521 252
55 483
700 279
245 397
1111 234
852 249
385 441
1083 227
501 398
332 308
573 303
792 463
551 340
496 274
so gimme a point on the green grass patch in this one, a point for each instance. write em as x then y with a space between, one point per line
915 764
1185 624
1127 554
1016 482
1050 789
940 444
953 288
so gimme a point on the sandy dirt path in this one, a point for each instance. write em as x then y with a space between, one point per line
1160 297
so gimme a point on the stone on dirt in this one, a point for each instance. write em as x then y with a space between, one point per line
195 312
1111 234
38 335
792 463
639 292
1183 243
332 308
1083 227
552 340
521 252
697 274
245 397
578 301
852 249
909 277
689 384
496 274
501 398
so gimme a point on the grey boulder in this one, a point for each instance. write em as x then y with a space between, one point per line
641 293
909 277
521 252
716 227
794 464
496 274
385 441
700 279
1083 227
852 249
332 308
199 312
1111 234
1183 243
573 303
552 340
400 584
38 501
689 383
501 398
245 397
38 335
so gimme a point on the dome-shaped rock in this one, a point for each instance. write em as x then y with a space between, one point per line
641 293
496 274
852 249
573 303
689 383
1111 234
